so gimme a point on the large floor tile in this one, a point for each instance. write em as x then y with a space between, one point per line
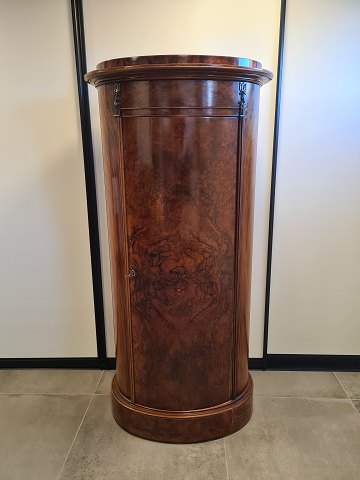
297 439
296 384
351 383
36 434
103 451
64 382
104 386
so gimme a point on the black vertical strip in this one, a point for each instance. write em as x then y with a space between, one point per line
273 179
80 58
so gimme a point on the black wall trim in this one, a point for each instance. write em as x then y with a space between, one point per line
81 69
313 362
255 363
111 363
275 362
76 362
273 180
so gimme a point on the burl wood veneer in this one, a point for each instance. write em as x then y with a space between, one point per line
179 142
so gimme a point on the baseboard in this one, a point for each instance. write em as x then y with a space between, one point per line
75 362
273 362
255 363
111 363
313 362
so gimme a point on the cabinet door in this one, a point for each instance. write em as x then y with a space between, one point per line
180 186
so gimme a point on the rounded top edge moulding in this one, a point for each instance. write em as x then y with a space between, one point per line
172 67
179 59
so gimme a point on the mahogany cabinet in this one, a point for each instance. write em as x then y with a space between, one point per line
179 145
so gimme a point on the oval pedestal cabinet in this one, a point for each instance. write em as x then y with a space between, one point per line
179 143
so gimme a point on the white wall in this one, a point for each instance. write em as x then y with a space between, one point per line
46 302
315 301
232 27
46 306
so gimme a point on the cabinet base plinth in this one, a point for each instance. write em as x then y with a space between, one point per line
179 426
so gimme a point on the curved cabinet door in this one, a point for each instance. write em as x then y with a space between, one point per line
180 188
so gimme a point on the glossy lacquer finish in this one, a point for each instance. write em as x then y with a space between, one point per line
179 137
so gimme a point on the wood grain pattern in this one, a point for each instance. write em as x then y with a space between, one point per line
247 134
116 213
179 160
181 244
175 60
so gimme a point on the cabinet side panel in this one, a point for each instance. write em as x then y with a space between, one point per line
115 206
180 176
246 181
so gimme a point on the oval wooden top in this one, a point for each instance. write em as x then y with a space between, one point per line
181 67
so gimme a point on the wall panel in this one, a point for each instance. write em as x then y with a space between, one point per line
314 302
46 306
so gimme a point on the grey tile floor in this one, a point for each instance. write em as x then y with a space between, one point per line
57 425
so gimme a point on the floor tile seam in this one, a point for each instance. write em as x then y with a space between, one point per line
351 399
98 383
357 410
49 394
341 385
74 439
226 463
353 404
301 397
